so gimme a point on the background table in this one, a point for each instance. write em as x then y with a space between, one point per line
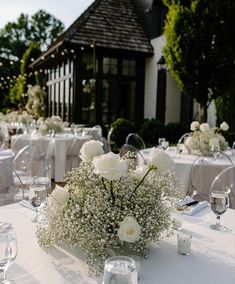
6 178
65 153
203 173
212 259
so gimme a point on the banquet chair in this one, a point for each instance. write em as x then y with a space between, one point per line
225 182
43 177
134 154
202 172
106 146
183 137
23 167
135 140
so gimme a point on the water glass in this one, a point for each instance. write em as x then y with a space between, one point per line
219 201
120 270
184 243
37 198
165 145
160 140
233 149
8 252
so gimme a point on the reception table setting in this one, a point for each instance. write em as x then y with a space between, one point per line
113 210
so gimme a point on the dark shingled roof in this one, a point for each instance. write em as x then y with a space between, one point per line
110 24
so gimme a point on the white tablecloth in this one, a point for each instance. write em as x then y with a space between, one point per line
65 152
203 173
212 259
6 178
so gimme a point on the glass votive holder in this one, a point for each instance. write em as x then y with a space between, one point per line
120 269
184 243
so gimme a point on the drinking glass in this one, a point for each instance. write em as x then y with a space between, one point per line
165 145
219 201
160 140
215 149
37 198
233 149
180 149
8 252
120 270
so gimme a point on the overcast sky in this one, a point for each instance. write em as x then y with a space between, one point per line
67 11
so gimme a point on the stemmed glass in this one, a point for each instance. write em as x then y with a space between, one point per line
37 198
215 149
165 145
8 252
180 149
160 141
120 269
219 201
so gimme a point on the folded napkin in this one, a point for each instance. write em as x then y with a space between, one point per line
6 152
26 204
196 208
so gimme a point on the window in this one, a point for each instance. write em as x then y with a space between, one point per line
128 67
110 65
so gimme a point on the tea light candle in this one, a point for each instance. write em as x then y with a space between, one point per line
184 243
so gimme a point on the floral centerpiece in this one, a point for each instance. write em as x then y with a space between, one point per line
51 125
109 206
203 137
36 101
25 118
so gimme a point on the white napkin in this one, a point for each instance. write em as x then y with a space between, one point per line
6 152
26 204
196 208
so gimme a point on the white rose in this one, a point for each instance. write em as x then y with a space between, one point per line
110 166
159 159
140 172
214 142
224 126
189 143
91 149
60 196
129 230
204 127
194 125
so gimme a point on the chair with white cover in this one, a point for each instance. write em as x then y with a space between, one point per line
225 182
136 141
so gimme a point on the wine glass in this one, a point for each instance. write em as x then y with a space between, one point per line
8 252
120 269
160 140
180 149
215 149
165 145
219 201
233 149
37 198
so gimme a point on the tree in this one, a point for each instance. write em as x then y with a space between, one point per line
16 37
200 47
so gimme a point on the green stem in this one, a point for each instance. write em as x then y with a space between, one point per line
111 191
142 180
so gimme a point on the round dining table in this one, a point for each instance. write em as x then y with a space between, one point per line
212 258
6 178
197 172
65 154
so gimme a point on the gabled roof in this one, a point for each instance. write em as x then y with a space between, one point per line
109 24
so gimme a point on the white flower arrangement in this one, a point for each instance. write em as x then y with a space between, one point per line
36 101
51 125
108 205
203 137
25 118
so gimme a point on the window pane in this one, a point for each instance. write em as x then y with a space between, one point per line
129 67
110 65
109 101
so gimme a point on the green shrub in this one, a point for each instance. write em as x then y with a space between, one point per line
151 130
174 130
120 128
